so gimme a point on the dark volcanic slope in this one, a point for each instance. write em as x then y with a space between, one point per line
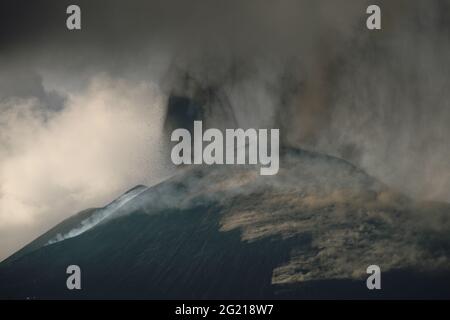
227 232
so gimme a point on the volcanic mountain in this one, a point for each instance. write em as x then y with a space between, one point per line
210 232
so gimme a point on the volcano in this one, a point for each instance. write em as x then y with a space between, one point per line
227 232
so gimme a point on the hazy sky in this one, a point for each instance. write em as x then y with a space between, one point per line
81 112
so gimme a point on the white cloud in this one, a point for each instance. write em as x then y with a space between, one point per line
105 141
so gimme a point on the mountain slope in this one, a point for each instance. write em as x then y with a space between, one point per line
227 232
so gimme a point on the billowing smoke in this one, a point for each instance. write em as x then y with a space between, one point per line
377 99
54 164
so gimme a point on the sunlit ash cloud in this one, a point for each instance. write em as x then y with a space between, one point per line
53 164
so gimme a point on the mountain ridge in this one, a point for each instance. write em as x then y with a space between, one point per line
227 232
